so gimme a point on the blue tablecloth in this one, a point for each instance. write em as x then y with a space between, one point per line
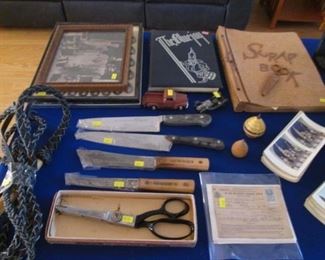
226 125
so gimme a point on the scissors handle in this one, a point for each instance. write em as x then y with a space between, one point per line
158 226
163 210
188 228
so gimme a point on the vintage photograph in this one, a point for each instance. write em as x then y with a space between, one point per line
290 154
319 196
131 95
88 57
305 134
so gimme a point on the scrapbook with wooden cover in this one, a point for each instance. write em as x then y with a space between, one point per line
269 72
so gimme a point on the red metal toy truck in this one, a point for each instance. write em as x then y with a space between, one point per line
168 99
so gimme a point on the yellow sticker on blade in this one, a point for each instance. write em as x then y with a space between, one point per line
170 92
322 100
119 184
40 94
216 94
222 202
138 163
114 76
96 123
127 219
107 140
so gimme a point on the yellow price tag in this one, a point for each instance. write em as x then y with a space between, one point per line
96 123
170 92
322 100
222 202
6 182
216 94
108 140
41 94
119 184
127 219
114 76
138 163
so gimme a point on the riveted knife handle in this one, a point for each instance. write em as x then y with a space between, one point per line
205 142
167 185
187 120
183 163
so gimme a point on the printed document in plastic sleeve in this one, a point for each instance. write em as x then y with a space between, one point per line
248 214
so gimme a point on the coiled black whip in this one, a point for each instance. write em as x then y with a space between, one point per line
23 156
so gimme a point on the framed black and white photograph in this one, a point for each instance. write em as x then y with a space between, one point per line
87 57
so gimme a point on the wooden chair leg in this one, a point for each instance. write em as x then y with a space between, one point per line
276 13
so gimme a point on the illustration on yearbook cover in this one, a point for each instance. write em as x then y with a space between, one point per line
185 61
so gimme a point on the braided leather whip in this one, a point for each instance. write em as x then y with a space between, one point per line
23 154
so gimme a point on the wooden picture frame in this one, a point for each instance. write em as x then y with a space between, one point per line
87 57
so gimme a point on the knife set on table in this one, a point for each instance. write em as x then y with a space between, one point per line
116 131
99 213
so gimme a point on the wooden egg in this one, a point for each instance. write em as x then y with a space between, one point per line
254 127
239 149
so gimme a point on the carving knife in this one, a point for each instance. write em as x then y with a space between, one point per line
167 185
148 141
94 159
142 123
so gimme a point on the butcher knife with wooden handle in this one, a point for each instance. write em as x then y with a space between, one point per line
140 184
95 159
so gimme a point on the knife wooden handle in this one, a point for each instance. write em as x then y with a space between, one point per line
205 142
169 185
183 163
187 120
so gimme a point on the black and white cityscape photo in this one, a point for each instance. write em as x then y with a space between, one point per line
88 57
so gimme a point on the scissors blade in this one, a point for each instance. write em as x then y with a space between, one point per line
113 217
100 215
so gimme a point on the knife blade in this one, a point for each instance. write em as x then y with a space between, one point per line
95 159
148 141
142 123
167 185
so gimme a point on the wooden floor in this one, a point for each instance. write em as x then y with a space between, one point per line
21 51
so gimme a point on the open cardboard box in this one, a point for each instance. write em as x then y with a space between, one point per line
67 229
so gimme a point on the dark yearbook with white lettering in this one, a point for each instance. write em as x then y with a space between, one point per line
185 61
